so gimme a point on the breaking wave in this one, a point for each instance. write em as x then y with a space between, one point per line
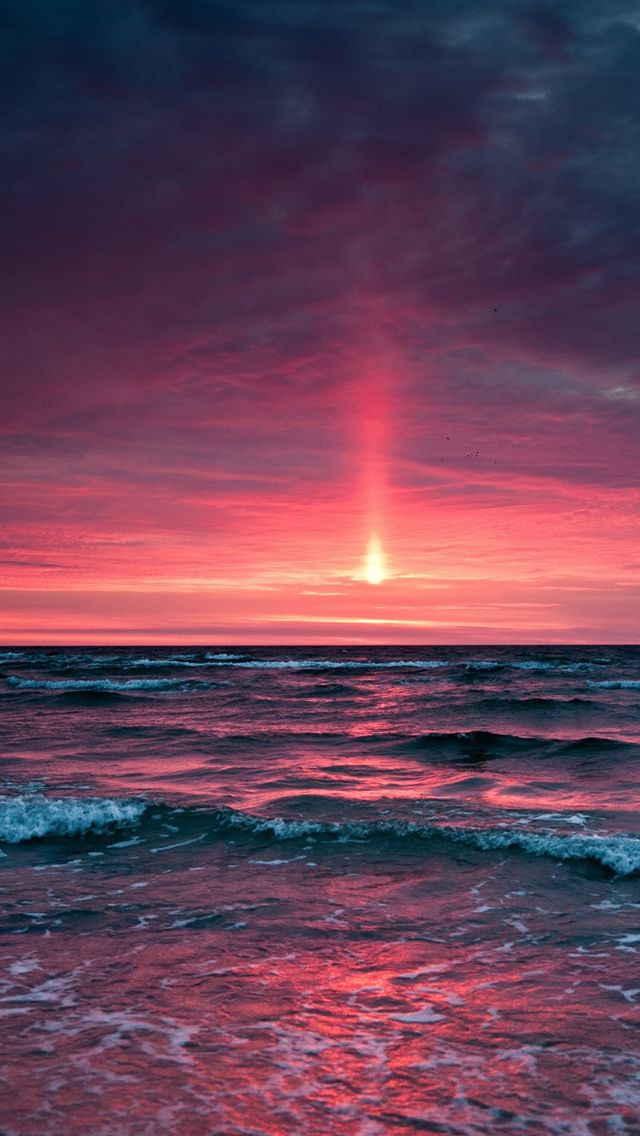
109 685
29 817
620 854
452 664
333 664
24 818
617 684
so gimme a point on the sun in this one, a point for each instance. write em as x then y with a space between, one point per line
375 570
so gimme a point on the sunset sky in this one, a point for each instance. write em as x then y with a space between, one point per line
285 284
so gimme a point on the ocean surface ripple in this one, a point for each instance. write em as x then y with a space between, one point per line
320 890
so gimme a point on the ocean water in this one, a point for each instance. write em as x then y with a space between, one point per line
249 892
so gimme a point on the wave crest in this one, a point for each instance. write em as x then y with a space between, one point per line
32 816
107 685
619 853
29 817
618 684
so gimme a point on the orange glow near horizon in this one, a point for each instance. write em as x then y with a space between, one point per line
470 546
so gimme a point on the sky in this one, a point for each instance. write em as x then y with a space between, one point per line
319 321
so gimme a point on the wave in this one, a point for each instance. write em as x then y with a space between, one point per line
504 664
24 818
223 657
92 697
330 665
109 685
619 853
454 664
469 740
27 817
171 661
610 746
486 743
534 702
547 665
329 690
617 684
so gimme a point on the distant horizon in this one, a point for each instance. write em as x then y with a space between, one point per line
316 644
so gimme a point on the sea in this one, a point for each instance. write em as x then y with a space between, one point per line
363 891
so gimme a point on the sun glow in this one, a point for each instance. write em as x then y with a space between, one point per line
375 570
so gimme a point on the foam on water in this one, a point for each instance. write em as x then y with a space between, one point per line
222 657
24 818
165 662
620 853
27 817
121 686
617 684
332 664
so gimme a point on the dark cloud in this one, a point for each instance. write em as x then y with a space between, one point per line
199 192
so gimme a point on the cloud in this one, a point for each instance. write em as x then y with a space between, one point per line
231 229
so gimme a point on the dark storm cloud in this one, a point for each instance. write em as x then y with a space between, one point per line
200 196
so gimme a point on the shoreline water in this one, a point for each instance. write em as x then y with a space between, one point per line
357 891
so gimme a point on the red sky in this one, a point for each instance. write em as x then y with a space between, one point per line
278 278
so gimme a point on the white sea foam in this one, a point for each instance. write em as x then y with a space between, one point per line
34 815
102 684
618 684
425 1015
232 660
533 665
620 853
500 664
392 664
221 657
331 664
168 661
26 817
